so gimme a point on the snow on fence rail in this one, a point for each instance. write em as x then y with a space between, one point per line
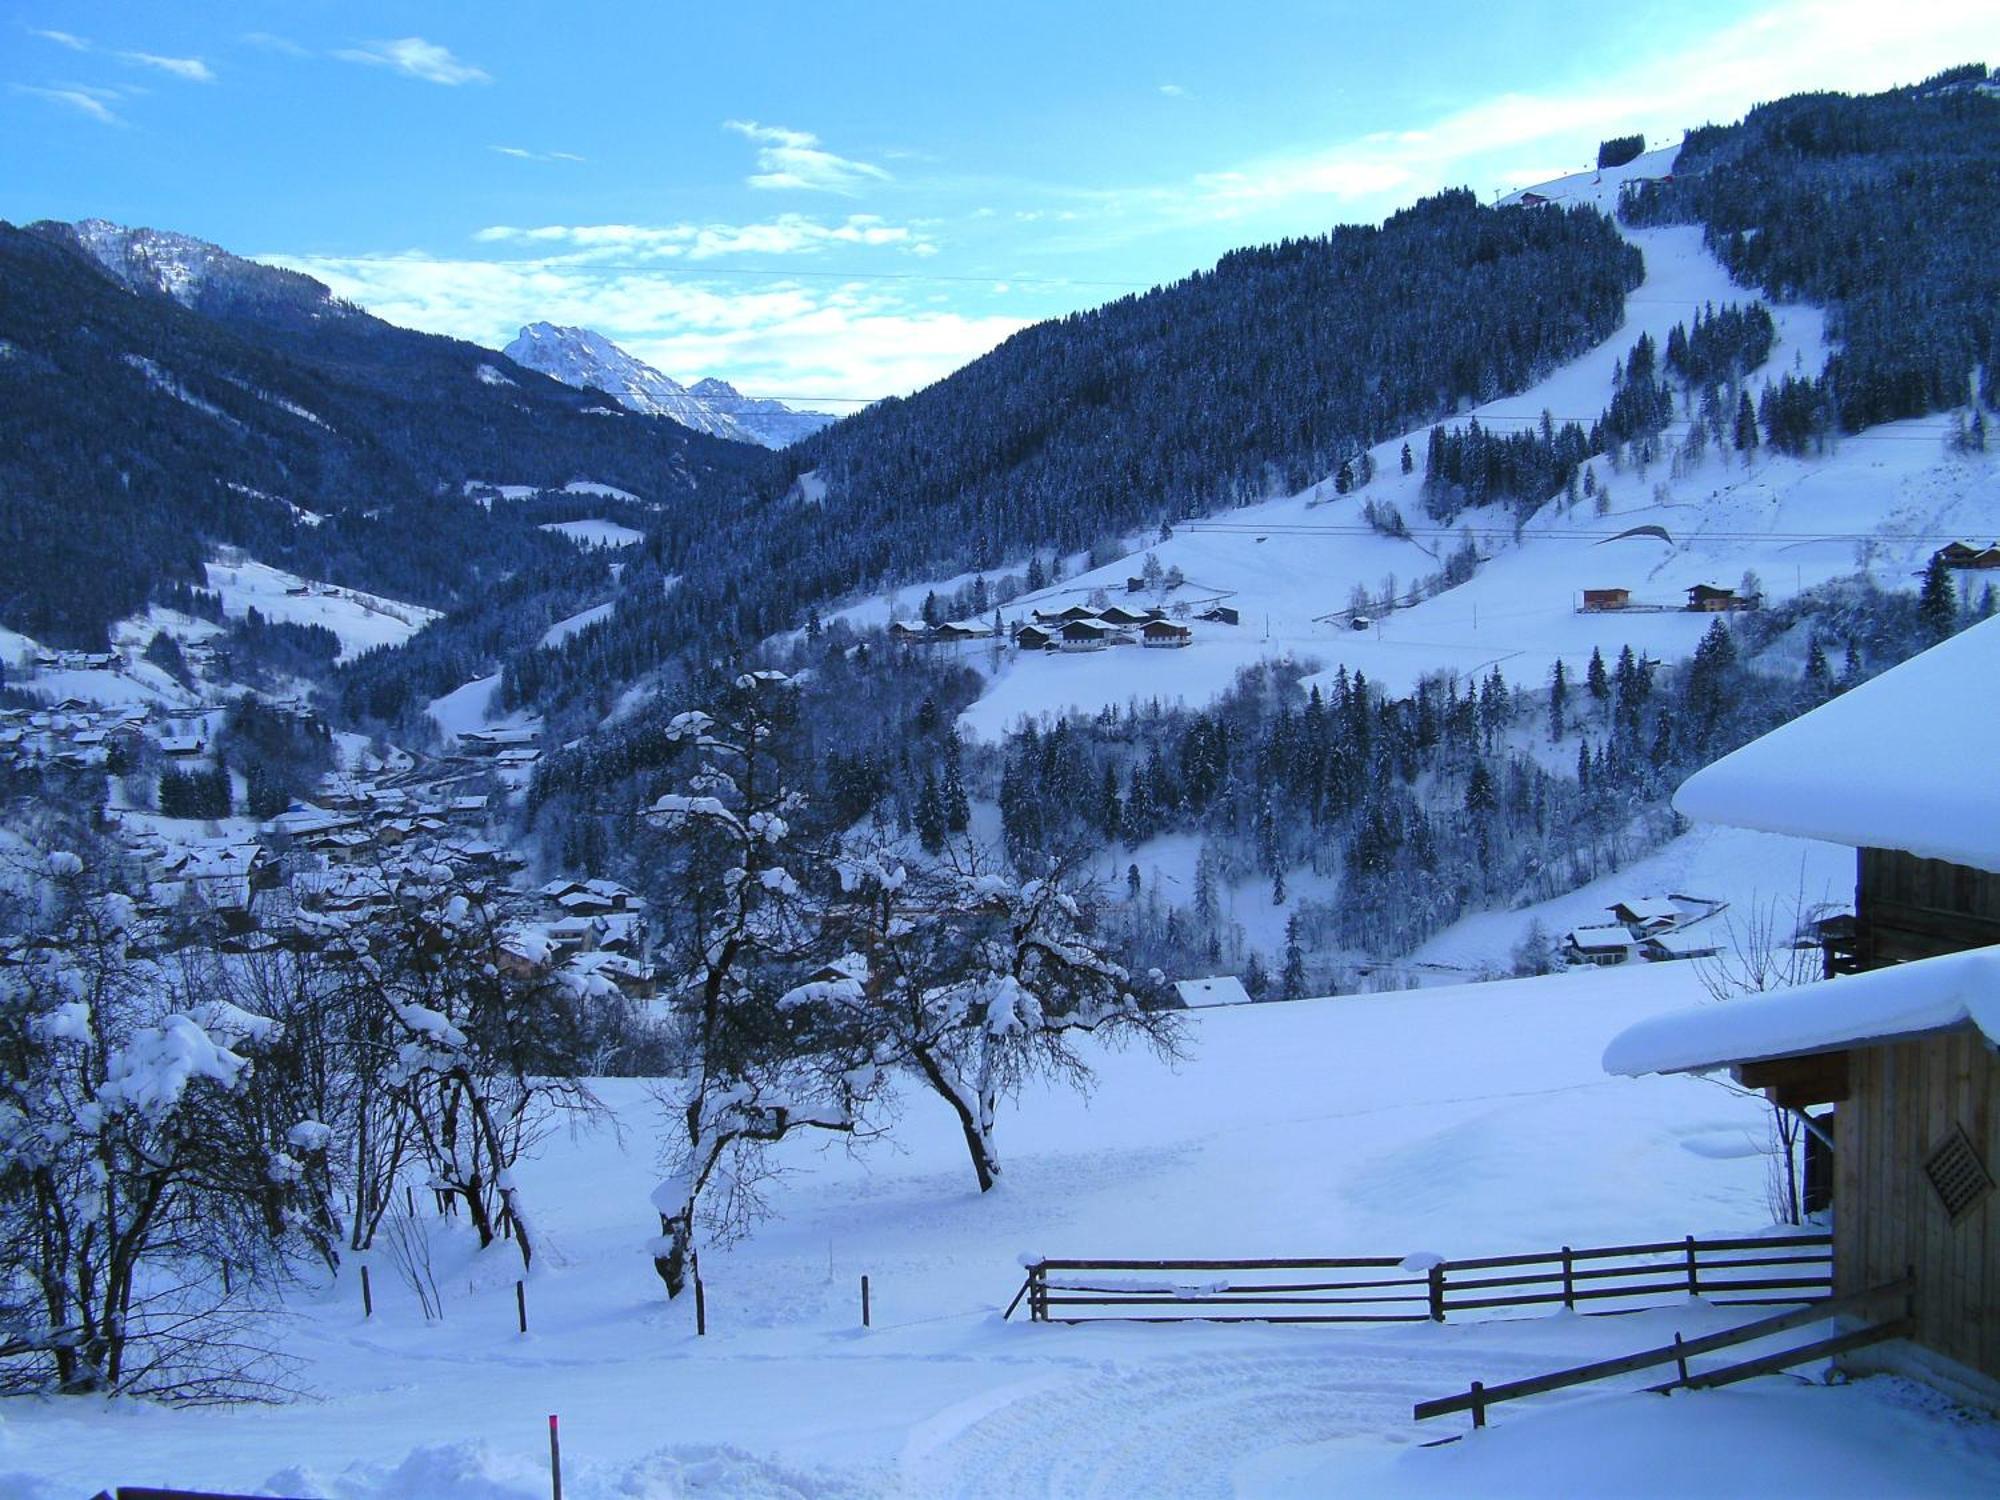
1764 1270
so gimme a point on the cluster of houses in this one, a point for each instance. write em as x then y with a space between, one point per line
1703 598
591 935
943 633
1647 929
514 749
71 733
321 872
1083 628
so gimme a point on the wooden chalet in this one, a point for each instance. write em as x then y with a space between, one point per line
1034 638
1118 614
1165 633
1673 947
1965 555
1084 635
1902 1038
1065 616
1644 915
1595 600
1221 614
1706 598
1603 946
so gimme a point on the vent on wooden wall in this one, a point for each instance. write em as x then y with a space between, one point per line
1960 1177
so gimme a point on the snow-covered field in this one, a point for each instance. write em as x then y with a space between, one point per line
361 620
1456 1121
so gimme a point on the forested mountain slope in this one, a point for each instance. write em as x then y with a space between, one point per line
153 415
1882 209
1248 379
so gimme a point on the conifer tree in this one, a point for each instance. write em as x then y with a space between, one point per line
1937 600
1292 983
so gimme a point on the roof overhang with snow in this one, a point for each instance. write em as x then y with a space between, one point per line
1874 1009
1901 762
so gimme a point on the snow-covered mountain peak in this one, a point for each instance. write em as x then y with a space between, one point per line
585 358
185 268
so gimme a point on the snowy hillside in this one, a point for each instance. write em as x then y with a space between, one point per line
1508 1137
362 620
1880 502
585 358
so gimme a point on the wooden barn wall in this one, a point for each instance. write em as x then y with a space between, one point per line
1914 908
1904 1102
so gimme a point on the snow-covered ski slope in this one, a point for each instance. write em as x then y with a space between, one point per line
1882 500
1451 1121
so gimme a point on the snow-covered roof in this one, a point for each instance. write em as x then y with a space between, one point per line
1609 936
1649 909
1696 944
1223 989
1901 762
1883 1005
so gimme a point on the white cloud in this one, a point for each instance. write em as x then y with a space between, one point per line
88 101
1795 45
795 159
787 234
417 58
191 68
773 338
521 153
271 42
1174 91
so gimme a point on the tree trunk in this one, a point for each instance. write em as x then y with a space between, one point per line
975 1121
672 1263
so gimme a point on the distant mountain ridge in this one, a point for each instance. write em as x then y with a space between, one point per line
161 396
585 358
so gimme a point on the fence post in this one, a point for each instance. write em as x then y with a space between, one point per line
1694 1276
555 1458
1569 1280
521 1303
1437 1291
1478 1404
1680 1359
410 1199
700 1309
1038 1294
864 1301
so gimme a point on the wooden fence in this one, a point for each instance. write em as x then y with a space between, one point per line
1481 1396
1753 1271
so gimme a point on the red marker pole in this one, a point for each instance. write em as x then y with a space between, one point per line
555 1458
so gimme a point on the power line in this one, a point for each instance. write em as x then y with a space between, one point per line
693 273
1335 528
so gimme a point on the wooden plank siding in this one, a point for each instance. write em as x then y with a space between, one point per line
1917 908
1907 1098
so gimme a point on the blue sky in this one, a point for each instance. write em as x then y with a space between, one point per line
851 200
